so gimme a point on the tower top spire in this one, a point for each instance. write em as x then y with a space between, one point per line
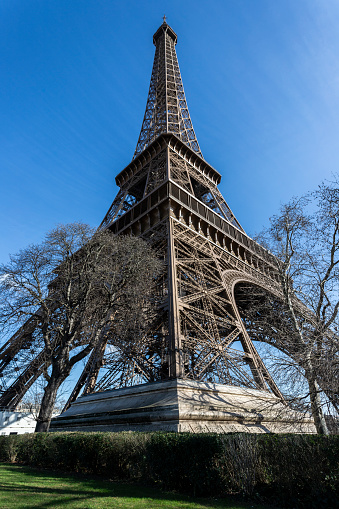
163 30
166 108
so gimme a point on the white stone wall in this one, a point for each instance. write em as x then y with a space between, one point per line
16 422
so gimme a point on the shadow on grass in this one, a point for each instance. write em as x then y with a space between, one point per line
34 481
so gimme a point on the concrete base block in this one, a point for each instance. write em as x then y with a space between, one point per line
182 406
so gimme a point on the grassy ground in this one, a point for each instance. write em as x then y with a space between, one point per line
28 488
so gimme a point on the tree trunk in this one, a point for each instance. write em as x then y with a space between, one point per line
316 406
47 405
314 389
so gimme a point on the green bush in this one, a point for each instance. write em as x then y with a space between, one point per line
186 462
300 470
289 470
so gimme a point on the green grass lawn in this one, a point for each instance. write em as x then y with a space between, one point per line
29 488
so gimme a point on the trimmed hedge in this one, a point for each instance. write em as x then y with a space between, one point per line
290 470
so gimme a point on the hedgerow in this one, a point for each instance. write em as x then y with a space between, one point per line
289 470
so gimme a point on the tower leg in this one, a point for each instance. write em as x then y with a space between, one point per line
175 357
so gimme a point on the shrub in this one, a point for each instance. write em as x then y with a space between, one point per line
300 470
290 470
186 462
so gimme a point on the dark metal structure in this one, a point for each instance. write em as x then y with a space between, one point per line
169 196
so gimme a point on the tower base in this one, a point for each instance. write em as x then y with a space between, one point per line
182 406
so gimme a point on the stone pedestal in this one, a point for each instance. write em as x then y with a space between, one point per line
182 405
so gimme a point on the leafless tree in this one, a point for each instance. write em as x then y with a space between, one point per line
76 285
31 402
303 322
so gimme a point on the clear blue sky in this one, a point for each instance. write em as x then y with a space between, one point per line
261 79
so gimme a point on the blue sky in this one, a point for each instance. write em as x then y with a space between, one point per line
261 79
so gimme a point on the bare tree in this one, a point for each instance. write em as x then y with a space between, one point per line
77 285
304 237
31 402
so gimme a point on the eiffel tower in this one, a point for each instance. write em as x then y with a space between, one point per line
196 368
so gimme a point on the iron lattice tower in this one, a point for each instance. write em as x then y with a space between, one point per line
166 108
169 196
